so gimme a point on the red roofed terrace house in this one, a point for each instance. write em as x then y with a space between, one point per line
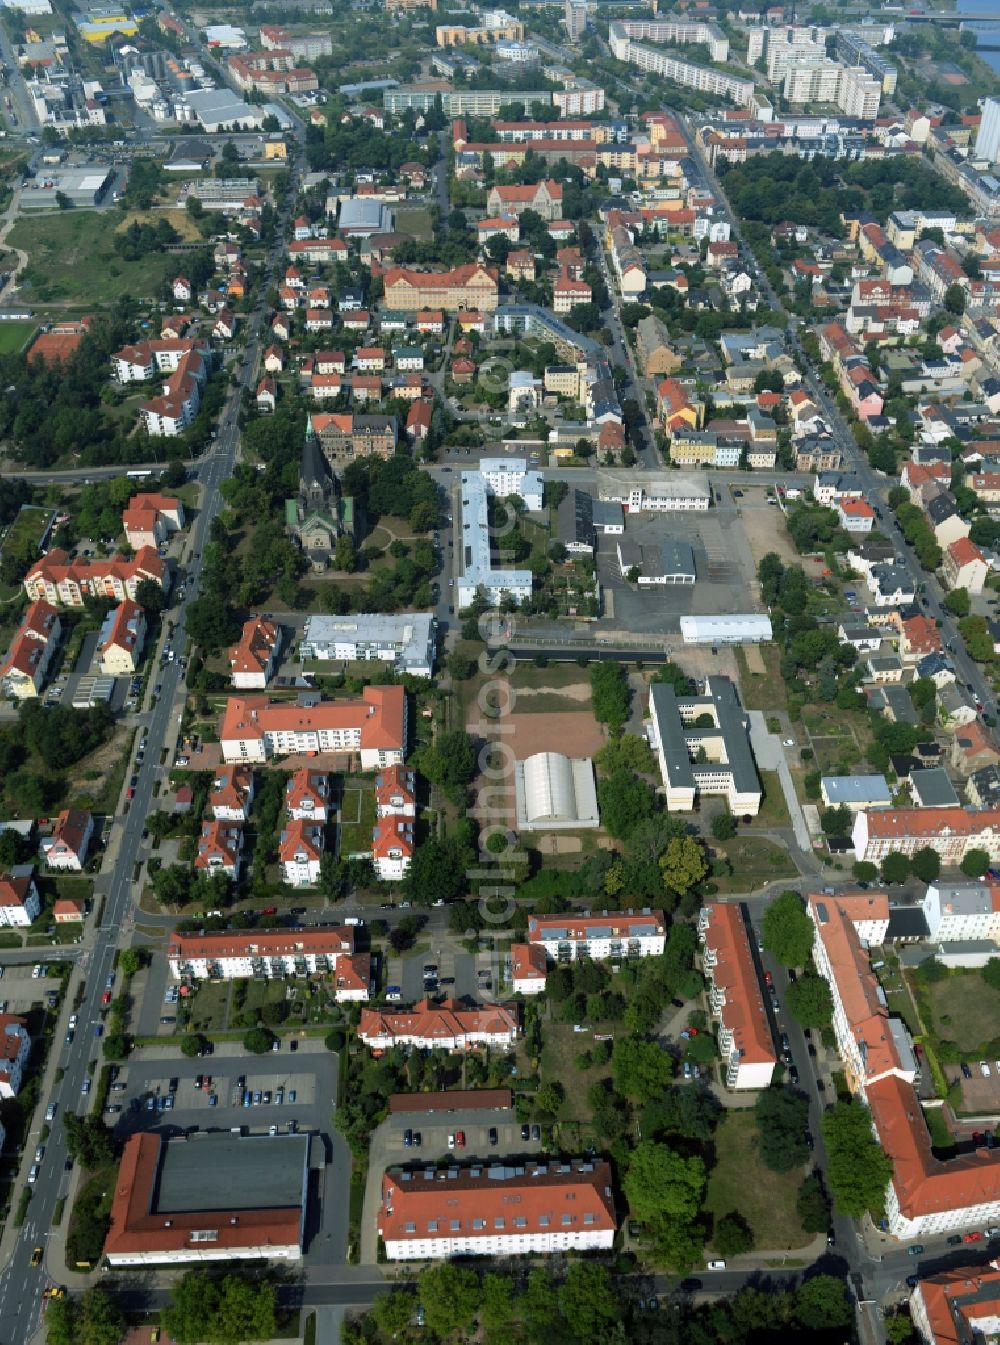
57 579
209 1197
239 954
497 1210
926 1196
737 998
375 727
67 847
600 937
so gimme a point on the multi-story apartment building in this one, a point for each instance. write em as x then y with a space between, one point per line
374 727
121 639
704 78
952 832
252 659
303 46
406 640
497 1210
699 760
70 840
504 477
494 26
231 794
235 955
962 912
859 93
925 1196
35 641
736 997
608 936
15 1047
19 900
481 571
695 31
300 850
308 795
149 519
396 792
220 848
58 580
958 1305
445 1026
393 843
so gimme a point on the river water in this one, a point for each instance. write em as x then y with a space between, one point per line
991 32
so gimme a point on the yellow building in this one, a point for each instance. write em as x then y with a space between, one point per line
98 24
496 27
275 149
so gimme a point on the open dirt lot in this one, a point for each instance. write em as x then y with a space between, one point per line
765 531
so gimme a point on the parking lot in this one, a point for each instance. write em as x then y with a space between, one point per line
723 580
388 1148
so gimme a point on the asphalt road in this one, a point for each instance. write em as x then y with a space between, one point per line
21 1284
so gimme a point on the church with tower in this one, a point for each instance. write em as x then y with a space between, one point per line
319 513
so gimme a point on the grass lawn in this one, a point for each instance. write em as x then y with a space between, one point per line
530 677
416 220
754 863
941 1137
357 815
561 1046
209 1007
180 219
739 1181
72 257
762 691
773 810
15 335
964 1009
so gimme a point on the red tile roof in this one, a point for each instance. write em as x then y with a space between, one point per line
380 715
540 1198
335 942
445 1020
743 1013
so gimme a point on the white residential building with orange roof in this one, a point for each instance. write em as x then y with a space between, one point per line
855 515
57 579
220 848
300 850
736 998
122 637
231 794
19 900
446 1026
236 954
307 796
32 648
15 1047
965 566
375 727
353 978
149 519
396 792
253 657
497 1210
951 832
70 840
528 968
392 847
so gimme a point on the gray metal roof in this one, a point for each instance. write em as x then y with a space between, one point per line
230 1172
870 789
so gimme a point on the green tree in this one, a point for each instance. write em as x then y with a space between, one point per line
858 1170
220 1312
895 868
345 556
88 1140
954 299
496 1310
192 1045
93 1318
449 1296
129 961
865 871
732 1235
150 596
683 864
724 826
450 761
926 865
822 1304
975 863
899 1327
588 1303
625 800
958 601
809 1001
782 1119
787 930
609 694
438 872
392 1312
662 1184
258 1040
627 753
813 1205
641 1069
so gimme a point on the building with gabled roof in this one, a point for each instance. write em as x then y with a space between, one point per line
252 659
736 997
951 832
308 796
57 579
606 935
497 1209
529 968
300 850
236 954
67 847
32 648
446 1026
15 1048
374 727
396 792
19 900
231 794
220 848
393 843
122 637
149 519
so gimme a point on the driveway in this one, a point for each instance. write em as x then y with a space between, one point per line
770 756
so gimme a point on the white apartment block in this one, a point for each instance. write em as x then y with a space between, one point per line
375 727
695 31
15 1047
678 740
407 640
19 900
704 78
240 954
510 476
611 935
952 832
962 912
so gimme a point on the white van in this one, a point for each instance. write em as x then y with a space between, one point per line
716 1265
